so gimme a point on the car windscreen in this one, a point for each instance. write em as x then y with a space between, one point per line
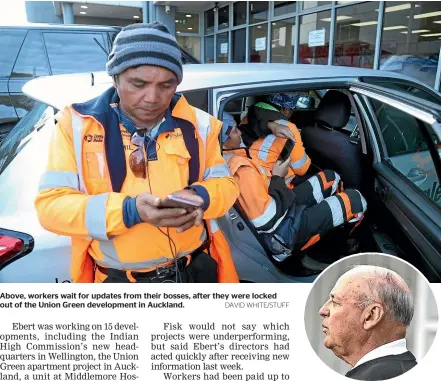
21 134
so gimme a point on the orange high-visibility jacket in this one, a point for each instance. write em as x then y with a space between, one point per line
88 177
265 152
264 202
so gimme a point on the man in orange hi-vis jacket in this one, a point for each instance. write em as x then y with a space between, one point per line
266 129
288 218
113 162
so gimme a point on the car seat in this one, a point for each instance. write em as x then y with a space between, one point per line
249 101
330 148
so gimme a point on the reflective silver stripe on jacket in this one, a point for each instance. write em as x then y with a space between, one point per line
336 182
275 226
299 163
96 216
289 179
58 179
111 257
220 170
336 210
267 215
214 226
203 125
77 126
316 189
266 147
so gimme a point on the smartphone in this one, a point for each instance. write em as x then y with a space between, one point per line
172 201
286 151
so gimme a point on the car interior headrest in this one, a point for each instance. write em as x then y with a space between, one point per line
250 101
334 110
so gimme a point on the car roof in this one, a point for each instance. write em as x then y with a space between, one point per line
62 90
60 26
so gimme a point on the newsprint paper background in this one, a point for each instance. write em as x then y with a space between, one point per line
166 332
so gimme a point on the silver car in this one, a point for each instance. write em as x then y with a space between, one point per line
383 139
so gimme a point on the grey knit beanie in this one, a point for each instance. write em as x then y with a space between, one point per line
145 44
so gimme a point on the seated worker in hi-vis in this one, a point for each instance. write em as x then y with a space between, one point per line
266 129
286 218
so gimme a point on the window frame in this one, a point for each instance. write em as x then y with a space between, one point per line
399 81
73 32
24 34
29 34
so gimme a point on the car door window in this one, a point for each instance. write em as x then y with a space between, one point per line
198 99
407 148
75 52
10 43
404 87
31 61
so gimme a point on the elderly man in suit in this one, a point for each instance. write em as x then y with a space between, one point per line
365 321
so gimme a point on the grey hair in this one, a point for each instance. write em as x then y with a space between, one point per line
391 290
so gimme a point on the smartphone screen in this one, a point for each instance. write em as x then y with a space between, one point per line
286 151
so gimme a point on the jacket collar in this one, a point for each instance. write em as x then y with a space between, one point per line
100 109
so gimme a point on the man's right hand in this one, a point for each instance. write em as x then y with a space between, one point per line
280 168
281 131
147 206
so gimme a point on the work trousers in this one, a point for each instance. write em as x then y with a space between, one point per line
327 206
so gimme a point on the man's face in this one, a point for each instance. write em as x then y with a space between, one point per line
342 318
234 139
146 92
287 112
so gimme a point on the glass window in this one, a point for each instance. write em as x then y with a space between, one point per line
209 49
239 13
408 149
209 21
405 87
186 22
31 61
410 42
355 33
284 7
282 41
258 11
314 38
198 99
190 44
8 117
10 43
258 39
18 137
222 48
224 17
22 104
314 4
75 52
239 45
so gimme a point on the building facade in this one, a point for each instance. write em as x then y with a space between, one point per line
404 36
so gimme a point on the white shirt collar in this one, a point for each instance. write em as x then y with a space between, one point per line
396 347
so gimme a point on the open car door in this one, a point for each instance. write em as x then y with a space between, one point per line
253 262
405 134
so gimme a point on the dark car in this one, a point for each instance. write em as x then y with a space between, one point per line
35 50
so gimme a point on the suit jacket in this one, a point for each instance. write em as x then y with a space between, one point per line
383 368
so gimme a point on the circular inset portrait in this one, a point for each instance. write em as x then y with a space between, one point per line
371 316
